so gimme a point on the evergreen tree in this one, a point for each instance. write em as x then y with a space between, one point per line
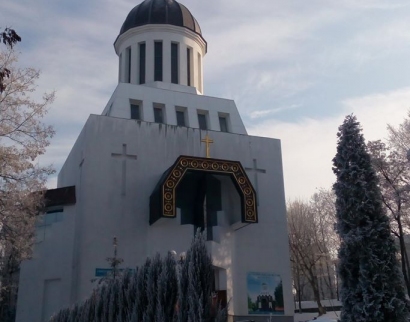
200 275
152 288
142 300
183 282
154 292
167 290
99 305
371 283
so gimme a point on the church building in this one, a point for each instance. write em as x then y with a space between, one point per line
161 161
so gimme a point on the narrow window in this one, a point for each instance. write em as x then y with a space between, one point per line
223 124
188 65
128 76
202 122
180 118
158 61
135 112
174 63
158 113
142 49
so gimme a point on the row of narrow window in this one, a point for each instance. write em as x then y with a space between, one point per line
158 64
181 118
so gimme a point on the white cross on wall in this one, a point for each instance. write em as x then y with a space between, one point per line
124 156
255 178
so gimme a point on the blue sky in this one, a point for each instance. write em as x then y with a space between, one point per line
294 68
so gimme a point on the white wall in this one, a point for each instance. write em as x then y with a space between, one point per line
49 273
119 106
102 211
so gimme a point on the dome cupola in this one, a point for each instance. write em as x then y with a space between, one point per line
161 45
167 12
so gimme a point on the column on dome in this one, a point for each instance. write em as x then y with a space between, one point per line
187 52
194 79
120 68
134 64
166 61
183 79
149 62
127 65
199 75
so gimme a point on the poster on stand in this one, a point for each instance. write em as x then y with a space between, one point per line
265 293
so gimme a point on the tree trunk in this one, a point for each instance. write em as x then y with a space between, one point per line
316 293
299 291
320 307
329 281
403 255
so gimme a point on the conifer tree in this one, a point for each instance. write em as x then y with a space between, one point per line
154 292
200 275
371 283
152 288
142 299
167 290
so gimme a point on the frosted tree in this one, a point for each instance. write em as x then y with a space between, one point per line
152 288
153 293
167 290
23 138
142 299
8 37
183 282
371 282
305 247
198 264
393 171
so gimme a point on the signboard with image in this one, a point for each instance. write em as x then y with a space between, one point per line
265 293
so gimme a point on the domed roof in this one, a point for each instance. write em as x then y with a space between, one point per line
160 12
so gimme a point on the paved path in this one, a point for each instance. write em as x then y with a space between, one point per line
329 317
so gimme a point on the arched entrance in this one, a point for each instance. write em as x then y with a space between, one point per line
163 199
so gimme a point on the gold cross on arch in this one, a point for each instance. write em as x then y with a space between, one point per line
208 141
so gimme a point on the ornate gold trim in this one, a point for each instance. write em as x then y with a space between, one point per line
232 168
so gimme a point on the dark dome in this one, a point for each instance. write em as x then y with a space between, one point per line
160 12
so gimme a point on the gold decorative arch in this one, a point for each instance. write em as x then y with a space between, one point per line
232 168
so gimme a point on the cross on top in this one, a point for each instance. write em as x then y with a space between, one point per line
208 142
124 156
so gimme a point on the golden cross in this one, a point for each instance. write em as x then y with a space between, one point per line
207 141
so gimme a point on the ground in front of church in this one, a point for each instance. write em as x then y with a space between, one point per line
328 317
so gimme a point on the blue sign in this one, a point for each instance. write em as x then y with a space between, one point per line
102 272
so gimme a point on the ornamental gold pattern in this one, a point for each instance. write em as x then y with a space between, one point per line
233 168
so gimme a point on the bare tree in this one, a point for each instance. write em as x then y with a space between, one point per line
399 136
304 248
323 207
23 137
392 168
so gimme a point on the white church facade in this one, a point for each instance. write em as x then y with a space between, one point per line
161 161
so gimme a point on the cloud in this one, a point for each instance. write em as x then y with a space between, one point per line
269 112
294 68
309 145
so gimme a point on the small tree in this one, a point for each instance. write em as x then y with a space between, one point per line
371 281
